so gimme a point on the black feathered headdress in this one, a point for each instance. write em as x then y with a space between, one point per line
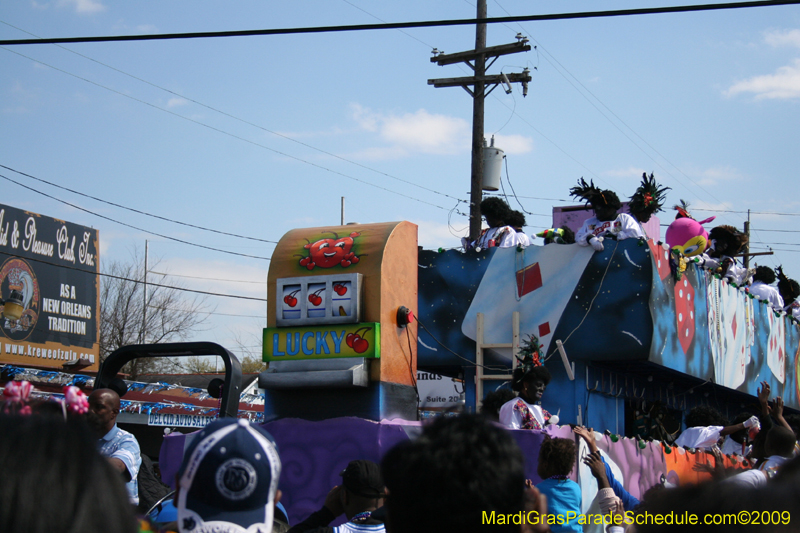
595 196
788 287
649 197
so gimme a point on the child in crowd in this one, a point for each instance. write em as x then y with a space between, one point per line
556 461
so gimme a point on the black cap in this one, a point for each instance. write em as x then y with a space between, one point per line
363 478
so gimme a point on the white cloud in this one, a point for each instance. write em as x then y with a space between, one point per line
435 134
432 235
513 144
364 117
715 175
783 38
415 132
784 84
175 102
83 6
213 276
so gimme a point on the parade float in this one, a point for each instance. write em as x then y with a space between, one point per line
356 310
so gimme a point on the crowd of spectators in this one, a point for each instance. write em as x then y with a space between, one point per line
462 473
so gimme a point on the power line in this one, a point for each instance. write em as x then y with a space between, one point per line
776 243
750 212
129 225
244 121
400 25
782 250
136 210
234 136
592 103
137 281
210 279
535 198
215 313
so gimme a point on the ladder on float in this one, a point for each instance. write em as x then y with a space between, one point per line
480 374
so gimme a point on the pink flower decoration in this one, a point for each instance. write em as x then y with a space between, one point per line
17 394
76 400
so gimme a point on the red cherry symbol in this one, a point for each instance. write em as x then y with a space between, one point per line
354 260
311 266
290 300
340 289
360 345
350 338
345 263
314 299
304 261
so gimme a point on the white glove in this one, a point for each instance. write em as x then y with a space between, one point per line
553 421
597 243
752 421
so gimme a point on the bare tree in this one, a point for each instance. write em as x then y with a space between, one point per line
171 314
251 364
250 346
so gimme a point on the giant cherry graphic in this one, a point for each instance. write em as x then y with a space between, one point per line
315 298
357 342
290 299
327 253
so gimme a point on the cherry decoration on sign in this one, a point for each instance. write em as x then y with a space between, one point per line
357 342
327 253
290 298
315 298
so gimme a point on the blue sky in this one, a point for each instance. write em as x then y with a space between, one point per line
259 135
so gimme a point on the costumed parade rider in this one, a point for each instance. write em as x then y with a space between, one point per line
647 200
762 288
606 222
499 233
530 381
790 290
725 242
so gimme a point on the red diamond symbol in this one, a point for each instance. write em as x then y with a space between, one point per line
528 279
544 329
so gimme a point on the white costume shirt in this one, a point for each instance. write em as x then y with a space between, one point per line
699 437
762 291
731 447
622 227
793 309
513 419
736 273
523 239
507 236
757 477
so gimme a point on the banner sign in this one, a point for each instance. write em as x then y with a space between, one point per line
322 342
49 290
179 421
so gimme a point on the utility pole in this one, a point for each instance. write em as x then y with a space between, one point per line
476 59
475 189
746 255
144 303
747 246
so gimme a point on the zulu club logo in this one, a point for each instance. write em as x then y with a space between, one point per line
20 292
236 479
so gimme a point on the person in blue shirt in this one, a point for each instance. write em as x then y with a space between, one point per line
117 445
556 461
